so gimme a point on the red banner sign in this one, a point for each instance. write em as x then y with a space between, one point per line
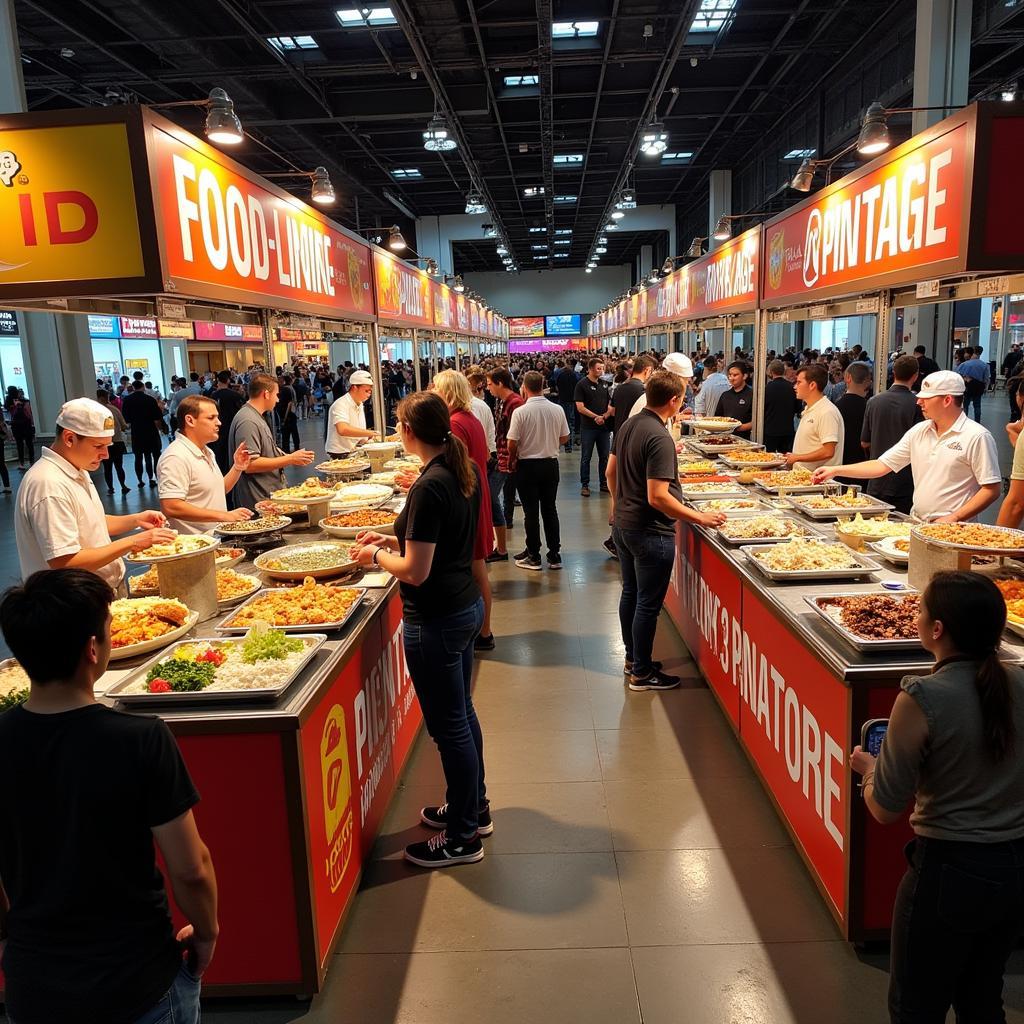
443 299
138 327
403 293
206 331
897 221
228 237
726 280
526 327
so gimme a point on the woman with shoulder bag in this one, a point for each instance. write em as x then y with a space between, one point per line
431 555
955 747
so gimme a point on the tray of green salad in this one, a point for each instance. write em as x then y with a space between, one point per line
259 666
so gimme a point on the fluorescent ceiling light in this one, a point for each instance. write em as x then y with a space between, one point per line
563 231
518 81
676 158
799 154
567 159
538 248
563 241
601 249
713 15
574 29
537 231
368 17
561 255
618 214
566 199
404 173
532 191
292 42
540 257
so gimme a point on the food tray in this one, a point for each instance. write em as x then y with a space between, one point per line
312 499
788 488
960 546
728 490
838 513
157 643
227 602
351 532
313 641
759 466
714 424
361 496
804 533
862 643
343 467
298 575
135 559
230 529
697 444
760 509
865 565
225 627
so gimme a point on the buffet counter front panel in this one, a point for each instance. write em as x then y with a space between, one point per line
796 719
292 800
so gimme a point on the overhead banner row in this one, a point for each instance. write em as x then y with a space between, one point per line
943 204
119 202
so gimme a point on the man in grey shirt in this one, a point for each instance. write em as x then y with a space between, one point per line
712 387
264 473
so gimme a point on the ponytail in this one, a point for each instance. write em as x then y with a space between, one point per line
976 635
456 457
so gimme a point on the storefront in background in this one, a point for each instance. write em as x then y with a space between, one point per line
122 345
224 347
12 361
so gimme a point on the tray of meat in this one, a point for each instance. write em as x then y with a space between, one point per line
872 622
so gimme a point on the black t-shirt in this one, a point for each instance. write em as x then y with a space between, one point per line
89 933
142 414
644 451
285 397
925 365
436 512
851 408
595 397
338 388
624 399
739 405
779 407
565 383
887 417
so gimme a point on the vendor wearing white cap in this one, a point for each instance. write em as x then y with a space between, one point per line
346 422
953 459
59 522
193 491
680 365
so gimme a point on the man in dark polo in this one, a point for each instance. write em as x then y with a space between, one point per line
887 417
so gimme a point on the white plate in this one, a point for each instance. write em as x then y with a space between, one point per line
227 602
229 563
352 495
714 426
886 547
380 447
343 467
139 557
132 650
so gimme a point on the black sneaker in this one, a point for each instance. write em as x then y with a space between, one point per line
609 546
497 556
434 817
655 681
441 852
484 643
584 491
528 561
525 553
554 561
628 666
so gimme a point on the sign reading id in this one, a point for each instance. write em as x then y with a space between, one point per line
67 205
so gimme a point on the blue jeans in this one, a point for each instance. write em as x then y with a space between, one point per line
589 440
496 482
439 655
571 417
646 560
180 1004
974 400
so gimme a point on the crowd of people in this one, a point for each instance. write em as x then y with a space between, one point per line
490 437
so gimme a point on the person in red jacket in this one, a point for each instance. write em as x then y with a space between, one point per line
453 387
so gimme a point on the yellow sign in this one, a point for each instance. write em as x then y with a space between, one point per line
337 794
136 364
67 205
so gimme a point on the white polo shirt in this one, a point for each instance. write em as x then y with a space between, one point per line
345 410
482 411
59 513
190 473
948 470
820 424
536 427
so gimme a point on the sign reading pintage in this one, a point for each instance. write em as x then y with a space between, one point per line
227 237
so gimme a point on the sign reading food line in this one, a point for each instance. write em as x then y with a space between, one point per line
226 236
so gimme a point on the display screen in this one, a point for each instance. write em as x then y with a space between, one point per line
559 326
873 734
526 327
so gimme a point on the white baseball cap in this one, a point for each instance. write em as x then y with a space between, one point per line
86 418
942 382
361 377
677 363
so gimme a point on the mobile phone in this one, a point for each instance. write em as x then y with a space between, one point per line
872 733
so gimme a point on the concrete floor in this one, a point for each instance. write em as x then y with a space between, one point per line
637 871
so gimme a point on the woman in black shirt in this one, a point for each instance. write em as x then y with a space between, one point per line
431 556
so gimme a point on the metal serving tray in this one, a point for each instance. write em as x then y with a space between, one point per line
856 641
788 488
224 627
211 696
864 567
840 513
760 508
728 490
805 532
695 442
960 546
766 467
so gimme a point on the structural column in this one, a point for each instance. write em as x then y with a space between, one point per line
719 202
942 54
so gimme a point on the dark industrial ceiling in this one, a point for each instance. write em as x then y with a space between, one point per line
356 95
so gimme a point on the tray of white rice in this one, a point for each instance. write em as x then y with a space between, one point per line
259 666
